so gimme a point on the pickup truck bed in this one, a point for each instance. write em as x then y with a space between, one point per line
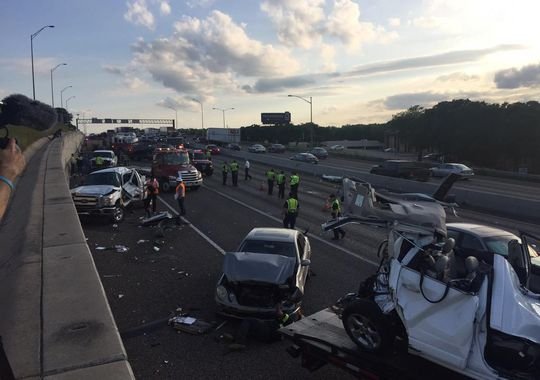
320 339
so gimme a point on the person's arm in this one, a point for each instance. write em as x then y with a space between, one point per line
12 164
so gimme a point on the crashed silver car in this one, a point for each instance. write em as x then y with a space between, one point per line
269 269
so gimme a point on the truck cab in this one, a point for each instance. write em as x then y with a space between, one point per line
168 165
199 158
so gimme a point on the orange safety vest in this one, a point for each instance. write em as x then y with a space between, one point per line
181 190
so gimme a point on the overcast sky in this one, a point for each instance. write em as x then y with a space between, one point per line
360 60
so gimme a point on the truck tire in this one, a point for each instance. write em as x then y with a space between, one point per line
118 214
165 185
367 326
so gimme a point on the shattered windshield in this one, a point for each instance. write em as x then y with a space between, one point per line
108 178
269 247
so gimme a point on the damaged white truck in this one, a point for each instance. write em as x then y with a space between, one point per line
475 316
108 192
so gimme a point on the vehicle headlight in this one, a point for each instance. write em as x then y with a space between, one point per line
221 293
108 200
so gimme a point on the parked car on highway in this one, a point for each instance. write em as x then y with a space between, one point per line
108 156
337 147
305 157
402 169
319 152
108 191
443 170
234 147
269 268
257 148
276 148
214 149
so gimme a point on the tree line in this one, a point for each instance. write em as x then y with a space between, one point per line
501 136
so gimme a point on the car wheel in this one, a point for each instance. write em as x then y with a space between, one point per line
118 214
367 326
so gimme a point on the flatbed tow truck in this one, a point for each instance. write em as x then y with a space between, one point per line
320 339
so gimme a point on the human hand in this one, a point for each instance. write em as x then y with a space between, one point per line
12 161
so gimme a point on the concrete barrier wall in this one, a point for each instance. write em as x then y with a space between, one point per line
56 321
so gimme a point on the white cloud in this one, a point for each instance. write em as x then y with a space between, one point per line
134 83
139 14
305 24
327 54
165 8
394 22
204 55
344 24
298 22
199 3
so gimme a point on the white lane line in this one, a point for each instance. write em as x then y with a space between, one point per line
202 234
311 236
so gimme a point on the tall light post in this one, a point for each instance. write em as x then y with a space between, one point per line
175 116
223 111
68 99
32 36
310 101
202 112
52 86
61 97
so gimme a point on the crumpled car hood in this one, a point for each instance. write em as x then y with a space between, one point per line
94 190
258 267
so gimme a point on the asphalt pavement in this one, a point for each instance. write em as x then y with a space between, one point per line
146 286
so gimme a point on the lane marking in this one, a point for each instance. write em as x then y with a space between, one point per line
311 236
202 234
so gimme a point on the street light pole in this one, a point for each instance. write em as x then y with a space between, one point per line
223 111
310 101
32 36
52 86
202 112
68 99
175 116
61 97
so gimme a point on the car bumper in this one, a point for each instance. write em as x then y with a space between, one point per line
241 312
81 210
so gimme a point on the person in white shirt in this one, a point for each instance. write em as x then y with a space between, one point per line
247 165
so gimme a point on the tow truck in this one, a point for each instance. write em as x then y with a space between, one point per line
475 315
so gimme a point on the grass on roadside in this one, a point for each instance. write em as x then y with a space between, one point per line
26 136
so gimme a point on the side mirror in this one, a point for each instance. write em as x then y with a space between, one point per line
305 262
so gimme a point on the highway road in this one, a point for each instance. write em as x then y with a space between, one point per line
337 165
144 286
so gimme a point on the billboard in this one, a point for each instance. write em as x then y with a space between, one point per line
278 118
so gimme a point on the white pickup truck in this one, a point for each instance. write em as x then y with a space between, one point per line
108 191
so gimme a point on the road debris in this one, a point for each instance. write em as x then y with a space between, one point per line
332 178
111 275
120 296
121 248
141 241
190 325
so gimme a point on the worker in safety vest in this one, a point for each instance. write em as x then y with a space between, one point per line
335 209
290 212
180 195
225 172
270 176
99 161
294 181
152 191
234 172
280 180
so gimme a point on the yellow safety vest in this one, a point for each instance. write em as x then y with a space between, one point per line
271 175
336 206
234 167
295 180
292 205
280 179
225 168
